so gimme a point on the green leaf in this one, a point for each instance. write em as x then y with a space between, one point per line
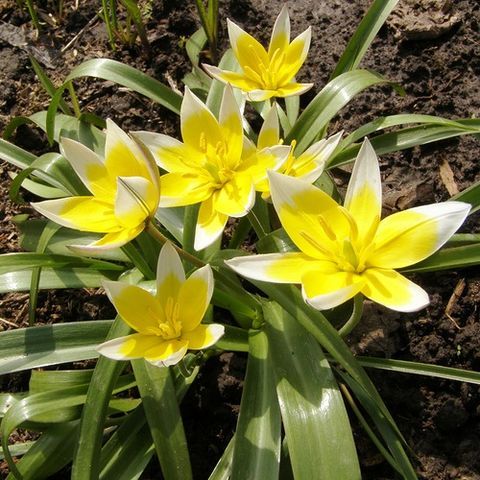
363 36
86 462
163 415
18 449
311 403
407 138
214 98
122 74
449 259
223 468
26 348
327 103
48 380
417 368
15 155
470 195
54 278
256 452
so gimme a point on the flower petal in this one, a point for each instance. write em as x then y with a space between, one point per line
210 225
203 336
130 209
236 197
364 193
281 33
230 121
179 189
86 214
167 353
260 95
408 237
194 297
138 308
274 267
311 218
393 290
170 274
270 158
248 51
89 167
295 55
169 153
289 90
128 347
109 241
270 132
328 288
237 80
199 126
124 157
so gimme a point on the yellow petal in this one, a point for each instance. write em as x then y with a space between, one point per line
270 132
237 80
137 307
291 89
203 336
328 287
231 123
270 158
194 298
128 347
210 224
248 51
408 237
311 218
170 274
236 197
199 127
274 267
130 210
109 241
295 55
261 94
393 290
364 193
167 353
179 189
86 214
90 168
169 153
280 33
124 158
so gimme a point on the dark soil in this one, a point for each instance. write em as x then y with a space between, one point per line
432 48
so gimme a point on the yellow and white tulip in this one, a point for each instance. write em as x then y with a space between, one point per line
167 324
265 74
346 250
212 166
125 188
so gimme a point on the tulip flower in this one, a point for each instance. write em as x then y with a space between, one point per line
308 166
125 188
212 166
346 250
265 74
167 323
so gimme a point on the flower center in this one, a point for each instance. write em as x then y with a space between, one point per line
171 327
218 162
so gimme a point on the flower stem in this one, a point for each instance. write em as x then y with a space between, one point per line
355 317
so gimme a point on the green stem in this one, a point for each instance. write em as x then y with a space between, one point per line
355 317
189 224
240 233
73 97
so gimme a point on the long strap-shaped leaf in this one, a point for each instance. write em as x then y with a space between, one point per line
86 462
122 74
327 103
256 451
363 36
163 415
319 436
321 329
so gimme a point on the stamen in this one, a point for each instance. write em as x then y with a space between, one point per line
349 253
315 244
326 228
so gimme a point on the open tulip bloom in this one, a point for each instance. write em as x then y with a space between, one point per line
211 166
308 166
125 187
346 250
265 74
167 323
